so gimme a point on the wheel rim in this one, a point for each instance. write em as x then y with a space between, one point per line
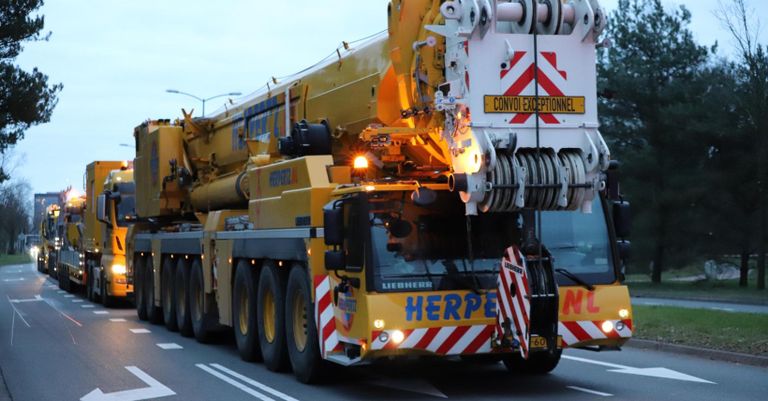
269 316
244 312
299 321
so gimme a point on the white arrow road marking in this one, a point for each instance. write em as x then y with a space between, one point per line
37 298
248 380
586 390
155 390
406 384
663 373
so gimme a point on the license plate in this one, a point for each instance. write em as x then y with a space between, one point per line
538 342
527 104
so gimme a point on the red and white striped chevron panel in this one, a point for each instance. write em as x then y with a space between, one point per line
514 307
324 317
453 340
579 331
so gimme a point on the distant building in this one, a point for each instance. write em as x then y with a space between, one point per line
42 201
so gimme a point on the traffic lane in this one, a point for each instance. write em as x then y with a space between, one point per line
199 371
682 303
83 346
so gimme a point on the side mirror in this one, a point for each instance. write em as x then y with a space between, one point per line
625 249
335 260
101 209
622 219
333 226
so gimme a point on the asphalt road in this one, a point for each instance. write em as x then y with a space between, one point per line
57 347
682 303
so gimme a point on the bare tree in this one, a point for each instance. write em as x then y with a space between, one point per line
744 25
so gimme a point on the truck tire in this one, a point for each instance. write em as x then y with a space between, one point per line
300 328
202 323
168 291
270 317
538 363
106 300
58 277
89 294
154 313
244 313
181 284
139 264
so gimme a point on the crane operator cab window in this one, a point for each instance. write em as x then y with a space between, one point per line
436 247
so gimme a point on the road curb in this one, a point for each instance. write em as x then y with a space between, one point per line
736 357
701 299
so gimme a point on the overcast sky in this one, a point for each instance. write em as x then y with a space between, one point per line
116 58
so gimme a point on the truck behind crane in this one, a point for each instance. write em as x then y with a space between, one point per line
439 190
109 190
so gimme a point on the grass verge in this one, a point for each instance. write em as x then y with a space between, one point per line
720 291
14 259
725 331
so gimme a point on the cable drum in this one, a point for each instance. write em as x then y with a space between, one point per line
544 172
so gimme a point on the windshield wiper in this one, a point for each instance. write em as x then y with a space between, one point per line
576 279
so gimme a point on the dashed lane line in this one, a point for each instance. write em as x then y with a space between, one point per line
101 312
168 346
140 331
77 300
588 391
86 306
69 296
117 319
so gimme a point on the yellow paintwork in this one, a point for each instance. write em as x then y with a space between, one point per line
106 246
95 175
579 304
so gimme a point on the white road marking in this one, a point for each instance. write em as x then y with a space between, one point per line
723 309
169 346
586 390
155 390
61 291
69 296
86 306
77 300
101 312
37 298
663 373
234 383
254 383
117 319
16 311
140 331
13 279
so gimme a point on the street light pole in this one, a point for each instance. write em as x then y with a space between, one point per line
203 100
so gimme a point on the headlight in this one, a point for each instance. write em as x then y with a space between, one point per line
118 269
623 313
378 323
398 336
607 326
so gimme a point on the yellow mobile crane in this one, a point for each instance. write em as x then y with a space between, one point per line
440 189
109 190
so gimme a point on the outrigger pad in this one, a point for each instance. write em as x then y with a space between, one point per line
513 306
